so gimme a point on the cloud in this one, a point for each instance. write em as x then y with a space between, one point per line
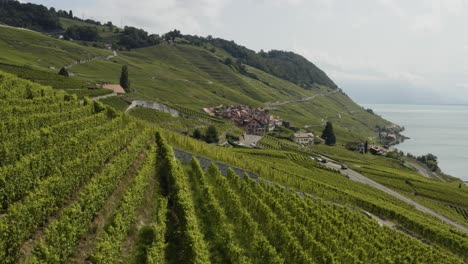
159 16
424 15
393 7
286 2
342 70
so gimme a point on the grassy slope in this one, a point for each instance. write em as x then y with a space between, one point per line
24 47
196 78
188 76
182 125
106 33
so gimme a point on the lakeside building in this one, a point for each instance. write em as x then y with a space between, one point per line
377 150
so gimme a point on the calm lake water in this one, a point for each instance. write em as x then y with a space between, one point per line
438 129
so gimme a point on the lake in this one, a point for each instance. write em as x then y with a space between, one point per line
438 129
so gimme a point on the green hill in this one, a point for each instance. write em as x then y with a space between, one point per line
107 33
286 65
192 77
25 47
81 182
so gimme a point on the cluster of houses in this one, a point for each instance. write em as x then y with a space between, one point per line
255 121
389 136
378 150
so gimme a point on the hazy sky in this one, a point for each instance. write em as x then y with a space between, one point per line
393 51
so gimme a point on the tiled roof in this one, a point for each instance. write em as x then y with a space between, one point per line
303 135
114 87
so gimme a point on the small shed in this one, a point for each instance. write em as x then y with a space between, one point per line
114 87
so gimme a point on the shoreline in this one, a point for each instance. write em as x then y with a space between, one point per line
392 145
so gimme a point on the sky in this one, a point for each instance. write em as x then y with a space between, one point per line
377 51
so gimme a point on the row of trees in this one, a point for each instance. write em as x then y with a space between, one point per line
131 38
85 33
430 160
32 16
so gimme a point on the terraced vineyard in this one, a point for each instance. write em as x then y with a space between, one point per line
184 125
83 183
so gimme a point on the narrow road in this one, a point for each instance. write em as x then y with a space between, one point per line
271 105
97 98
423 171
355 176
108 57
155 106
131 106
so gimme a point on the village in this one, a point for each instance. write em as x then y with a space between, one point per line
255 121
258 121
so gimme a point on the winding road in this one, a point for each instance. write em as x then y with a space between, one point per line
108 57
272 105
97 98
355 176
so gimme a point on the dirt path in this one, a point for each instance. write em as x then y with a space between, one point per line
108 57
272 105
355 176
97 98
104 216
155 106
145 213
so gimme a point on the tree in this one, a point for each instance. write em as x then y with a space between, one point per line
430 160
211 135
64 72
228 61
85 33
29 93
328 135
366 147
197 134
131 38
70 14
124 82
28 15
172 35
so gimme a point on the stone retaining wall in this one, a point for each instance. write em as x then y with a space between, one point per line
186 157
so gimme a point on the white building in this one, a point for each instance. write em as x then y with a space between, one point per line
303 138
